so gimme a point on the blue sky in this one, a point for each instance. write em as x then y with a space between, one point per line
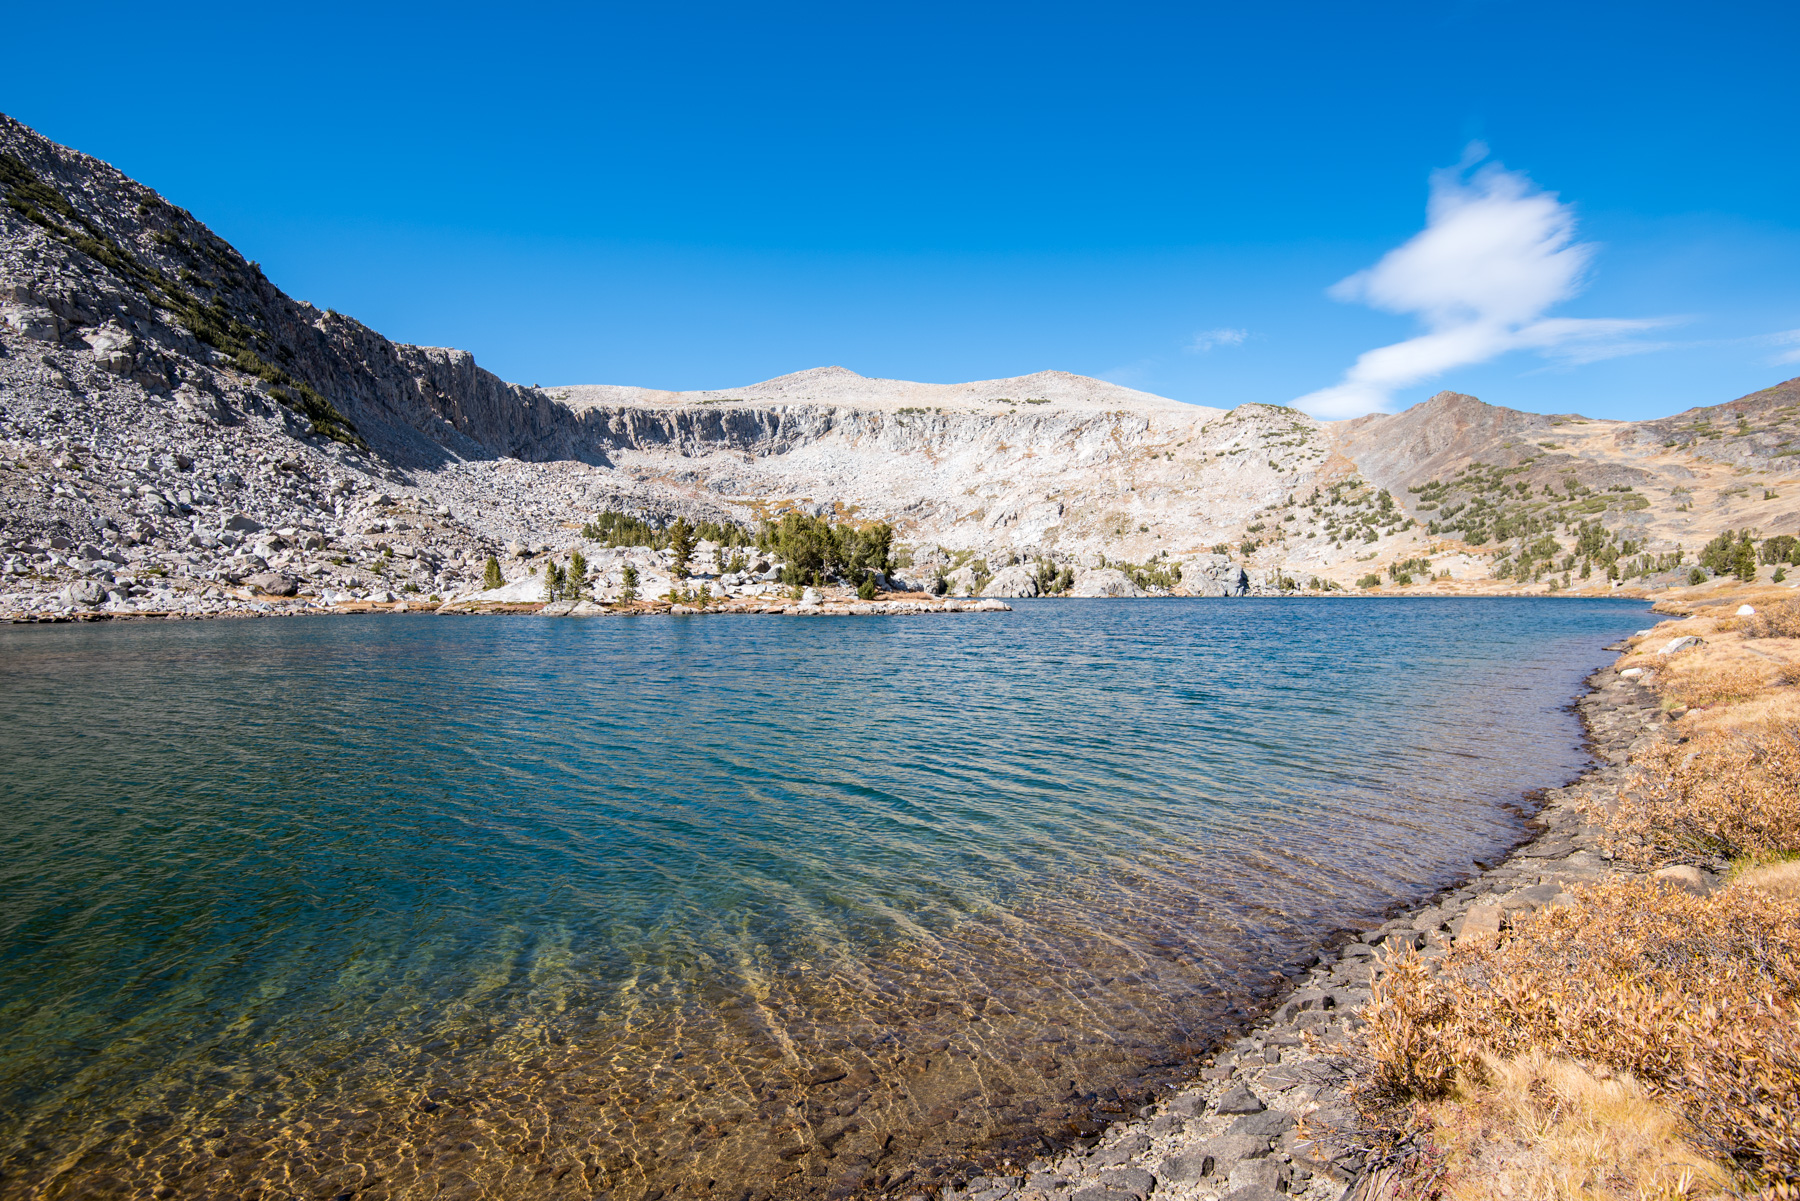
700 195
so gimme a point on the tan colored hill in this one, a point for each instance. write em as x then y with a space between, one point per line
841 386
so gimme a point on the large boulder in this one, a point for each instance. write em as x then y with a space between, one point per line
960 582
273 583
915 580
1012 581
34 321
115 348
1105 581
84 593
524 590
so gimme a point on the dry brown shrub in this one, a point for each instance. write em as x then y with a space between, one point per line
1408 1018
1696 997
1722 793
1781 620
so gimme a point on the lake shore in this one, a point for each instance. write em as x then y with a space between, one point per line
893 605
1272 1114
835 603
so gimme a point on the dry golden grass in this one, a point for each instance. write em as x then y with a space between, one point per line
1780 880
1696 997
1721 672
1539 1127
1723 792
1777 708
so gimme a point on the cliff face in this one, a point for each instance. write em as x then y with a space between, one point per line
103 255
125 294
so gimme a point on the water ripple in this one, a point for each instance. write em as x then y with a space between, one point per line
437 906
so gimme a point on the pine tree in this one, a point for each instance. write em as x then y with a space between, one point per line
491 579
577 575
1744 559
553 582
629 593
681 543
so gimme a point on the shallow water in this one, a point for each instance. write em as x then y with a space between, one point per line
719 907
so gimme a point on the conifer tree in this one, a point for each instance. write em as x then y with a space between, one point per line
1744 559
577 574
629 593
681 543
490 578
553 582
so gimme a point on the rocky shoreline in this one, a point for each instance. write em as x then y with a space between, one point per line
1271 1115
802 608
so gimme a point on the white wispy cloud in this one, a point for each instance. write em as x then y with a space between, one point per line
1791 339
1496 254
1207 339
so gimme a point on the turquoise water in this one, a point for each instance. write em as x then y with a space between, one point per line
419 906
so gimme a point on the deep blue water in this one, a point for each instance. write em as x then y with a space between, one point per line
560 907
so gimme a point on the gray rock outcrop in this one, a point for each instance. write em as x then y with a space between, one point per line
1104 581
1213 575
1012 581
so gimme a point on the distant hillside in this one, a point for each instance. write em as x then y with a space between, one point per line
134 337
